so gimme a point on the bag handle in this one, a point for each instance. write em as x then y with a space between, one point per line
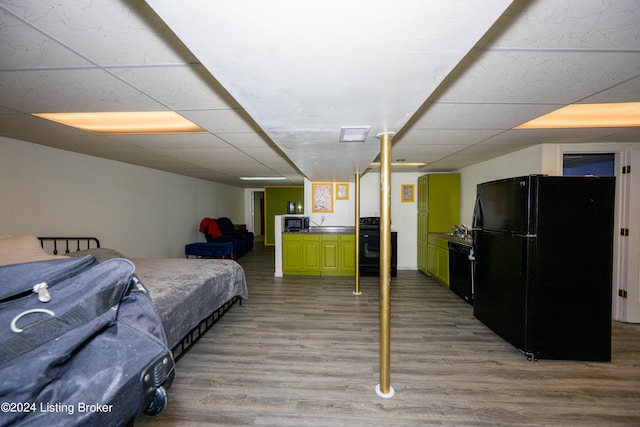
14 322
46 330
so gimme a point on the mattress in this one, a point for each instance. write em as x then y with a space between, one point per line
183 291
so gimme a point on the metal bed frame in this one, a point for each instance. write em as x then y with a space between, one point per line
85 240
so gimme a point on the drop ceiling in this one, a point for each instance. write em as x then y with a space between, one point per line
273 82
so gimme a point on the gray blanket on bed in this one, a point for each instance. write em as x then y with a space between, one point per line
184 291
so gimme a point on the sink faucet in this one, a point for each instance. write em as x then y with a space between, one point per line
461 230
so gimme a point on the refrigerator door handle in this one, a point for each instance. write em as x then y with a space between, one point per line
476 222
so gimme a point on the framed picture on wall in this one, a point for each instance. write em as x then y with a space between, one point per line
407 192
322 197
342 191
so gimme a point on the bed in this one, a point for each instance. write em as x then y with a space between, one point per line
190 295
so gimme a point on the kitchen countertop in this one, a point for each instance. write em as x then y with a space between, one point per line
326 230
468 241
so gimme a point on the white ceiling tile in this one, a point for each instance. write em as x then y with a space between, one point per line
183 87
628 91
17 41
621 135
416 153
7 110
222 121
573 24
171 143
218 156
472 116
106 33
118 151
535 77
426 137
248 140
16 123
541 136
54 90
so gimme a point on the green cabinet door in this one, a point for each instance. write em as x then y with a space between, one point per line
347 254
443 266
438 211
291 253
330 255
438 259
443 202
301 254
311 253
318 254
422 241
338 254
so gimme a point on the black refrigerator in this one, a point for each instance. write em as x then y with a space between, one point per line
543 264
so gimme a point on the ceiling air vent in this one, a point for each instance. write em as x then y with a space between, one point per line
354 133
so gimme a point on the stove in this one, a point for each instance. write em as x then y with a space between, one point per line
370 223
370 247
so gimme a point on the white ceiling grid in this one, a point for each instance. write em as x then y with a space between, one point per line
272 82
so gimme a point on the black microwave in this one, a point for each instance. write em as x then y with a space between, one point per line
296 223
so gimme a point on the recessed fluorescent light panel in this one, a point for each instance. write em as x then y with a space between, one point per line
126 122
354 133
262 178
403 164
606 115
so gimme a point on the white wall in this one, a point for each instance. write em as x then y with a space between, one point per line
139 211
404 215
343 210
524 162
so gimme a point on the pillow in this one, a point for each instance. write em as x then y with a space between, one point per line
19 249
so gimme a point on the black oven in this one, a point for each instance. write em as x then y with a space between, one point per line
370 248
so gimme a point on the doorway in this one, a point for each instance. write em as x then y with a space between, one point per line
626 276
257 210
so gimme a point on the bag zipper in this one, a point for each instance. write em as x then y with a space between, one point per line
42 288
54 279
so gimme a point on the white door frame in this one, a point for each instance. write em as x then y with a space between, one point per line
626 292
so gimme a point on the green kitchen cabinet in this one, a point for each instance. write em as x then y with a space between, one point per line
318 254
438 259
300 254
338 254
438 211
330 256
310 254
347 265
422 241
292 252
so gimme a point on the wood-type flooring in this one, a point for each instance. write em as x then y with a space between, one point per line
304 351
